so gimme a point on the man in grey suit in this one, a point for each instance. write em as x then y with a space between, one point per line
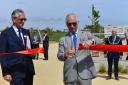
78 65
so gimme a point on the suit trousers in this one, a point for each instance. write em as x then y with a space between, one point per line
21 80
45 52
112 60
79 81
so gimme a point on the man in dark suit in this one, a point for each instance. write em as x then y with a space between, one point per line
113 57
45 45
18 69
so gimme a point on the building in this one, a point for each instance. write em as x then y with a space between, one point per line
120 30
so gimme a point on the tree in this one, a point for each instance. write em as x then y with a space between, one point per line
95 17
48 29
95 27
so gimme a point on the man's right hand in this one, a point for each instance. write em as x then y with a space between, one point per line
69 53
8 77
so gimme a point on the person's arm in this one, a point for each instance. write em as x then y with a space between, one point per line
39 39
120 43
91 40
60 54
126 37
106 42
3 49
47 40
28 40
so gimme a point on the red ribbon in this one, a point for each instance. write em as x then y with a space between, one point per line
29 51
105 47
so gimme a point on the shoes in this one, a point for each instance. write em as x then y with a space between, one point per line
116 78
45 59
109 77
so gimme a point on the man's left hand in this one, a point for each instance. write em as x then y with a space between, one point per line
87 43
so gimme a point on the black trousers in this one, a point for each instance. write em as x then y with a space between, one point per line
20 80
46 52
112 60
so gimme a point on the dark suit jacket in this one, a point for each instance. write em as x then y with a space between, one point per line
46 41
19 63
116 41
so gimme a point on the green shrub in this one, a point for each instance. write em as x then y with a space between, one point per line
120 68
125 70
55 36
102 68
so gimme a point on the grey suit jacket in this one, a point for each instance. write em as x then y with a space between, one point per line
81 64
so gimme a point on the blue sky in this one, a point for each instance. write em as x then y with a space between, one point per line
51 13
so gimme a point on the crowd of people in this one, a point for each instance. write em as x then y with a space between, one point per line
79 69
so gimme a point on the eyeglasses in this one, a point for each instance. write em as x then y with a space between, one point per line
70 24
23 19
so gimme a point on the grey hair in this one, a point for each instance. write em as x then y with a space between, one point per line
70 14
16 12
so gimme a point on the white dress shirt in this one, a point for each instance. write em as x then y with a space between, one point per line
28 46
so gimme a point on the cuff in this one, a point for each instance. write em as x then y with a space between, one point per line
93 41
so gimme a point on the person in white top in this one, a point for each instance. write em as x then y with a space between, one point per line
35 43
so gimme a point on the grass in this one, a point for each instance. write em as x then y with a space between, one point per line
56 36
122 69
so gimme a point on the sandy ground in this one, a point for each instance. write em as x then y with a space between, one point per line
51 72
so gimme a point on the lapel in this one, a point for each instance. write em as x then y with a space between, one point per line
69 40
24 36
78 38
112 40
15 37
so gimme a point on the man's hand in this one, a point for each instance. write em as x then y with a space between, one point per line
69 53
87 43
8 77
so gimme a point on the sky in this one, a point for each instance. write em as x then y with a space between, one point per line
51 13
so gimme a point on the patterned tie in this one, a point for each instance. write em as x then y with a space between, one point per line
75 41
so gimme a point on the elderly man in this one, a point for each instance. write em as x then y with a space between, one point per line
78 65
113 57
18 69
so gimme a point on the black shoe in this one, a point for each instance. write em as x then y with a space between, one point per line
127 58
45 59
116 78
109 77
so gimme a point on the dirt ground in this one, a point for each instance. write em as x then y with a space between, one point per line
51 72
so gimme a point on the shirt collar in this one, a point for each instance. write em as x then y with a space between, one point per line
15 28
72 33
